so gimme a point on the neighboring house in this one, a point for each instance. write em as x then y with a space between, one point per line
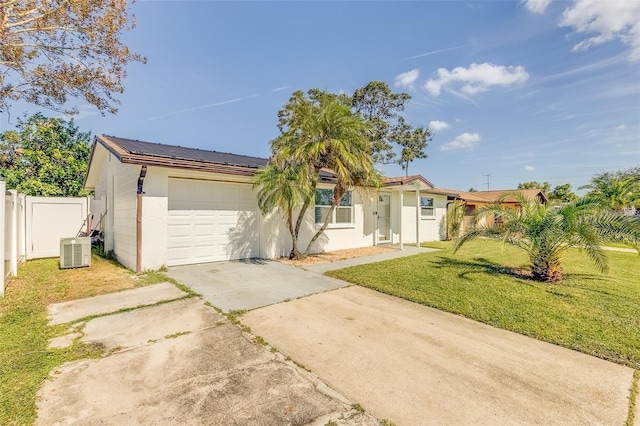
476 199
169 205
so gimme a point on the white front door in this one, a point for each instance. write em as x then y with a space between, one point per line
384 218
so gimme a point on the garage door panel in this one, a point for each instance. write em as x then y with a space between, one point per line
176 231
211 221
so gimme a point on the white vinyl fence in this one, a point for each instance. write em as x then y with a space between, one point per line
50 218
33 226
12 251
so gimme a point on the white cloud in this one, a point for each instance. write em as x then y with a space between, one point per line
607 20
536 6
477 78
529 168
466 141
437 126
406 79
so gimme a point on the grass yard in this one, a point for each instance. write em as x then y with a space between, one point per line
594 313
25 361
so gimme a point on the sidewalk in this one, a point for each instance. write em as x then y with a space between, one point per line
321 268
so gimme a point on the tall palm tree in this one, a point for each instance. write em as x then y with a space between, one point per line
320 132
545 231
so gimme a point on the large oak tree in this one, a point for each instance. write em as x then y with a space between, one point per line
53 50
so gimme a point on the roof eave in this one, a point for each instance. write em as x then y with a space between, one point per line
91 176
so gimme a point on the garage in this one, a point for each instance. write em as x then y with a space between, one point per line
210 221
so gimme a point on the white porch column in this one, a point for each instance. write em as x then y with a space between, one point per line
418 215
376 222
401 207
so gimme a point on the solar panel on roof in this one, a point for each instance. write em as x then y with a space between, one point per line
185 153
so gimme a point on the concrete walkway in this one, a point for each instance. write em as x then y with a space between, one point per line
250 284
321 268
181 362
73 310
621 249
419 366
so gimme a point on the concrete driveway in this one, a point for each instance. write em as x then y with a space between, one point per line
419 366
249 284
172 360
254 283
180 362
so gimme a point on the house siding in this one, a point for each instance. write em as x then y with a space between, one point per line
125 180
116 194
431 229
116 190
435 229
154 219
276 238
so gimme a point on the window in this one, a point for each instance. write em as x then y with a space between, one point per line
343 212
469 210
426 207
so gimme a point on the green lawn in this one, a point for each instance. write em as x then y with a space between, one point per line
595 313
25 361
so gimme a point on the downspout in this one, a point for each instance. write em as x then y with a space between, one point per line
140 192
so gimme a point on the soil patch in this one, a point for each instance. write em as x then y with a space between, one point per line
333 256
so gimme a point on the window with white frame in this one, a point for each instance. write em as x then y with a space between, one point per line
426 207
343 213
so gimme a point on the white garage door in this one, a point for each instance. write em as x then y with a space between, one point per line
211 221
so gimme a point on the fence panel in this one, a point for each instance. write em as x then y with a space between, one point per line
50 218
31 227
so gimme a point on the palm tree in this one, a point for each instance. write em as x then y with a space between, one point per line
615 192
455 219
545 231
319 133
283 187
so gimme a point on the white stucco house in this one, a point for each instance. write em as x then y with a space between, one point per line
163 205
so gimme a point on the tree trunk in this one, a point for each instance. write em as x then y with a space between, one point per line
338 192
546 268
295 253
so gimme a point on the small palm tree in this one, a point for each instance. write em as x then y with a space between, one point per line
283 187
545 231
615 192
455 219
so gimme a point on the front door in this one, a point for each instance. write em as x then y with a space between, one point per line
384 218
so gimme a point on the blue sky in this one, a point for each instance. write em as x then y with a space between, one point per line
538 90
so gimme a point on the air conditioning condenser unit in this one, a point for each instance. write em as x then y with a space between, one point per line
75 252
